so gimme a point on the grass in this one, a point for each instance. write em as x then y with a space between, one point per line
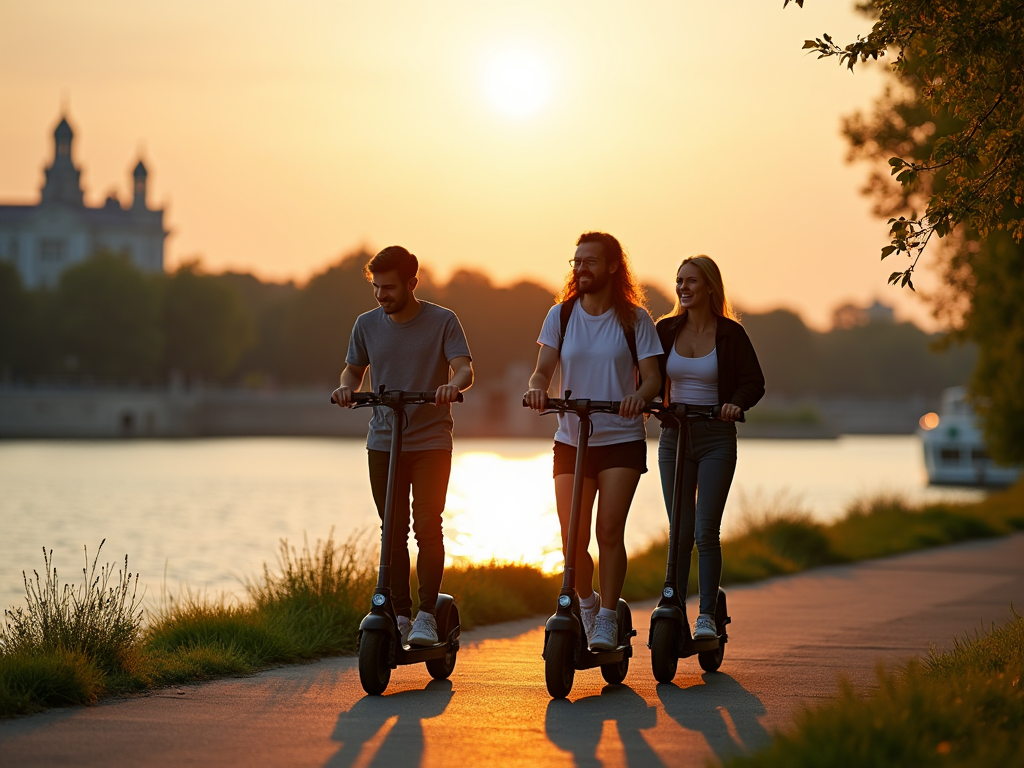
73 645
961 708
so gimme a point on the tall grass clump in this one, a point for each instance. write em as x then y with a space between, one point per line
960 708
100 619
69 641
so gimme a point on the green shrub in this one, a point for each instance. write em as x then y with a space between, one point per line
961 708
99 620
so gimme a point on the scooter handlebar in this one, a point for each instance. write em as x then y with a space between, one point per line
676 411
395 396
578 404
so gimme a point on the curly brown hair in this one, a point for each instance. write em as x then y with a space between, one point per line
627 293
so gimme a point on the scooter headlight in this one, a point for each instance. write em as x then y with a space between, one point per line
564 601
379 600
668 591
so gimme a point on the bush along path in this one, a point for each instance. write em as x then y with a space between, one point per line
961 708
71 645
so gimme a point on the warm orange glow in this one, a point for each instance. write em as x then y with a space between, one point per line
929 421
502 509
481 135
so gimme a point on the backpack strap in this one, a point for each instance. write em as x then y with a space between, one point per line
565 312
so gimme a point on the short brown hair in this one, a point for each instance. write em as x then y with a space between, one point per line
394 258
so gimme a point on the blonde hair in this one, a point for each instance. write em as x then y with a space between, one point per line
713 275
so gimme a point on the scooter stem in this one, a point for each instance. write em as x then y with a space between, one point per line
672 569
582 441
391 499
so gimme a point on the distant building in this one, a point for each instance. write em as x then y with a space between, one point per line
850 315
43 240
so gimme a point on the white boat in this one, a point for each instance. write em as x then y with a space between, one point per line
954 447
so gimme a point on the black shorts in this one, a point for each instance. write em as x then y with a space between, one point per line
631 455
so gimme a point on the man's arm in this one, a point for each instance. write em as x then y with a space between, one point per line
351 381
536 396
461 380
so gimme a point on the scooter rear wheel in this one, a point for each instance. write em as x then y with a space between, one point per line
442 668
375 661
710 661
665 649
616 673
560 663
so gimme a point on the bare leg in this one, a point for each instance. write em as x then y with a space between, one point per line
616 488
563 500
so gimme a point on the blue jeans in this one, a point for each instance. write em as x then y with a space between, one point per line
709 465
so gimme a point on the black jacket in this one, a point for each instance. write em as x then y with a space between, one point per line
740 380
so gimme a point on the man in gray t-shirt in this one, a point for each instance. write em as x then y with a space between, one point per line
410 345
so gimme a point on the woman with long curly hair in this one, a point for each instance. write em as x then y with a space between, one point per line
609 338
708 360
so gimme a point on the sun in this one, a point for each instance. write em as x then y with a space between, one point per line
517 82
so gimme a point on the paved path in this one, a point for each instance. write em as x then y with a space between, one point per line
791 637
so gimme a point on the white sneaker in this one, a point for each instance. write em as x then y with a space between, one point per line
605 635
589 614
704 628
404 628
424 630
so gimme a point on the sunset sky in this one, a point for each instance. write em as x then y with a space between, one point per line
479 134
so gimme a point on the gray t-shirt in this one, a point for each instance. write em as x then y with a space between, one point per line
415 357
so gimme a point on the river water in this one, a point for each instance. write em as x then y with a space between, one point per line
207 514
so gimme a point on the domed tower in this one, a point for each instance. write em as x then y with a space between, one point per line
63 180
139 187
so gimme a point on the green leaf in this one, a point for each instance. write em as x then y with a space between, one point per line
887 251
810 44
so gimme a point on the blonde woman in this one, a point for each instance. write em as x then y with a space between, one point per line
708 360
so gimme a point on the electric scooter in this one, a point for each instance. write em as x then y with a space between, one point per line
379 642
565 642
670 638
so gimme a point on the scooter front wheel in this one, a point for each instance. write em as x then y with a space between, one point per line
560 663
374 661
665 649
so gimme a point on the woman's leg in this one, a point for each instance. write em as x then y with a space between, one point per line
563 500
616 487
715 448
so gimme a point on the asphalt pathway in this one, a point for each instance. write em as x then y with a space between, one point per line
790 639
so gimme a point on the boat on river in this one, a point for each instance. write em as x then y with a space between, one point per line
954 446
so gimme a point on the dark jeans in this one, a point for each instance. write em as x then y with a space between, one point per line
710 462
425 473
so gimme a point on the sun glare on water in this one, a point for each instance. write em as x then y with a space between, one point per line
502 509
517 82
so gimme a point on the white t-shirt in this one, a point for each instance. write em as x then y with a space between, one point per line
596 364
694 380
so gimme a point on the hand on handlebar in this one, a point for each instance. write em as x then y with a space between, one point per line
631 407
342 396
537 399
446 394
731 412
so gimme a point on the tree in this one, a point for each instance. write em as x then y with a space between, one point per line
106 316
205 324
965 60
950 128
15 317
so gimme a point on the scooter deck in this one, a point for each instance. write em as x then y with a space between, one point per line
693 647
589 659
416 654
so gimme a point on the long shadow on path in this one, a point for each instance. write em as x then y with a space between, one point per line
722 710
388 730
576 726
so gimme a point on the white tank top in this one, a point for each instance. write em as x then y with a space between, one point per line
694 379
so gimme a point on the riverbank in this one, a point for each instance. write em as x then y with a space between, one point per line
62 652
